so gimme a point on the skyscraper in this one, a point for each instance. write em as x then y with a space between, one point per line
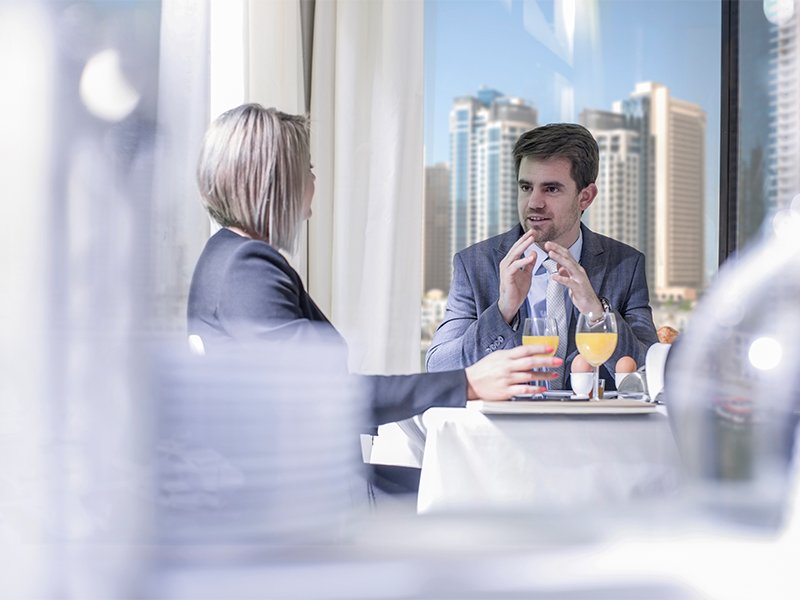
483 189
618 207
678 131
437 270
672 187
784 96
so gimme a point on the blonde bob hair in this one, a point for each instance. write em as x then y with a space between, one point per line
252 172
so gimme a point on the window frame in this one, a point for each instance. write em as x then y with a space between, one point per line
729 130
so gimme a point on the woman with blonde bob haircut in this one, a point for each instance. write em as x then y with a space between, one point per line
253 173
255 179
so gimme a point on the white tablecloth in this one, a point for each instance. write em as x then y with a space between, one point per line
474 461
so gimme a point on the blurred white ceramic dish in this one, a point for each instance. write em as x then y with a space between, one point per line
654 367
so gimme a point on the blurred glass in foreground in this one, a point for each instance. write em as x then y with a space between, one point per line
95 147
257 446
735 381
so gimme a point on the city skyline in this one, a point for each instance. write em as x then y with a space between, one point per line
650 172
483 186
526 50
669 193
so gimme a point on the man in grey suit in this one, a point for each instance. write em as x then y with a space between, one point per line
499 282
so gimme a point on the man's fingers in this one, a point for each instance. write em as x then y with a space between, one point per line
519 247
525 237
560 254
565 281
521 263
554 247
567 262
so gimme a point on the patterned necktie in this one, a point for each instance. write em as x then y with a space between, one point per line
557 310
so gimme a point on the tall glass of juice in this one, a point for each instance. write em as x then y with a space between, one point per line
541 331
596 339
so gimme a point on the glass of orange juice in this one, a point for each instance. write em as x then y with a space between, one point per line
541 331
596 339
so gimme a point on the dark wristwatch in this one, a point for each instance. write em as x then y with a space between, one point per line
606 304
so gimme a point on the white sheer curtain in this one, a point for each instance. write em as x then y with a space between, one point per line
364 241
93 219
365 237
27 490
179 221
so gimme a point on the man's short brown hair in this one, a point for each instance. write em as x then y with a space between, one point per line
562 140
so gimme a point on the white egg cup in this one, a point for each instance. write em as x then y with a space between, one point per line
618 377
582 383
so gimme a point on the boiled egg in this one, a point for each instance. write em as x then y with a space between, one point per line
581 365
626 364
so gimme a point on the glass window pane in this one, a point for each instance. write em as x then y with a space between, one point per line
768 136
644 77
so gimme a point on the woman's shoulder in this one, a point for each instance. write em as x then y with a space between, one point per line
238 248
250 262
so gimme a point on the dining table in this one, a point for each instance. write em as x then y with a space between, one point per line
540 456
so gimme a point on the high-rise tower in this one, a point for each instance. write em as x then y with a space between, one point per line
483 189
437 270
672 148
617 211
784 96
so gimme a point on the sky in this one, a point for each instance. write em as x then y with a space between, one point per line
508 45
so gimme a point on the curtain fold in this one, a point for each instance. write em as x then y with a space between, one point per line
365 239
367 138
179 222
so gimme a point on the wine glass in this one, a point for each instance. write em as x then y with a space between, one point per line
596 339
541 331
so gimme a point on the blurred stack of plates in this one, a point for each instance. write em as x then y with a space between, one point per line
257 444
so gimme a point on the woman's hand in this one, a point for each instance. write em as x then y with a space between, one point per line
507 373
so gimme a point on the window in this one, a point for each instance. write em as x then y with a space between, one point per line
766 178
644 77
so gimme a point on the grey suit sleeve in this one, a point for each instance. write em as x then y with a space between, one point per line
464 337
634 320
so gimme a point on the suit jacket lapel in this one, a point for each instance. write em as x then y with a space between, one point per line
505 242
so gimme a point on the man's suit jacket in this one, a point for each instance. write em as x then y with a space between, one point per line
244 290
473 326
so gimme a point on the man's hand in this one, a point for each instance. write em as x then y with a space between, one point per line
506 373
573 276
515 277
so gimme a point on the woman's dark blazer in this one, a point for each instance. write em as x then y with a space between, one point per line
244 289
